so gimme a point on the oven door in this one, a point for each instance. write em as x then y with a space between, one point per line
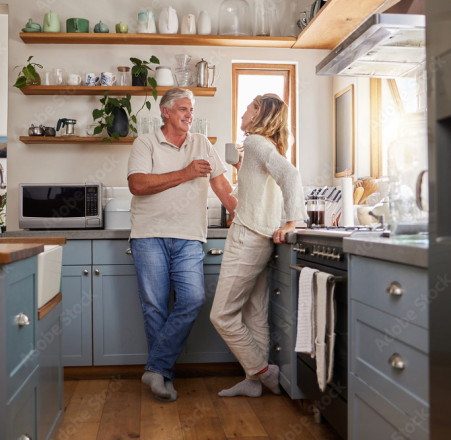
332 403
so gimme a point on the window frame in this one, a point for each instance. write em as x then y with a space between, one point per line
289 72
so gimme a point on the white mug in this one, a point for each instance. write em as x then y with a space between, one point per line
107 79
74 79
91 79
164 76
231 154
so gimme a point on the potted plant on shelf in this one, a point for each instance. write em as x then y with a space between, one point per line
141 70
28 75
2 212
115 115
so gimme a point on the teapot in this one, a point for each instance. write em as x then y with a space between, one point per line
51 22
202 73
31 26
168 22
101 28
146 23
36 130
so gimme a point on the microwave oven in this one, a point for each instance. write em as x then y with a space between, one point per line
60 206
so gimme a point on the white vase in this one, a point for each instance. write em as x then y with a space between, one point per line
204 23
168 22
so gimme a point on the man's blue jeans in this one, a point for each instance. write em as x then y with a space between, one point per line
161 263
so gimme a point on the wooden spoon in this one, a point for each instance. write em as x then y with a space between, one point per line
369 187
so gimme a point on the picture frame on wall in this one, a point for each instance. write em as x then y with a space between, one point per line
344 132
3 143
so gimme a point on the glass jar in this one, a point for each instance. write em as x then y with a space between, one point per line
234 18
407 160
316 210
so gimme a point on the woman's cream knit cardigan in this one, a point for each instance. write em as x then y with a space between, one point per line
265 180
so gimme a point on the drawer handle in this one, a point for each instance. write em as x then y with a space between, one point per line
277 348
22 320
277 292
86 272
128 251
396 361
24 437
97 272
215 251
395 289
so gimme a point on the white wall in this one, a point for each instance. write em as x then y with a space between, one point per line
108 163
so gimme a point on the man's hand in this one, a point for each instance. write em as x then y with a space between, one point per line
198 168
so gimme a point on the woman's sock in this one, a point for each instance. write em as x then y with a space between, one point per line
156 384
270 378
247 387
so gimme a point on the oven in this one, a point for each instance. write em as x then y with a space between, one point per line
323 250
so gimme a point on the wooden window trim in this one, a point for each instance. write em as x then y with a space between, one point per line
290 95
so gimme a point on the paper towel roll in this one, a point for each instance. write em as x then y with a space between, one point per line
347 202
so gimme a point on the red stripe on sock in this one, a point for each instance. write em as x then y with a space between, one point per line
264 370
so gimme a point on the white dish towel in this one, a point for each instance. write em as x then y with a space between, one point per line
305 335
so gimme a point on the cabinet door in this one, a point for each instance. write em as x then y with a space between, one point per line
119 337
21 411
76 315
50 388
204 343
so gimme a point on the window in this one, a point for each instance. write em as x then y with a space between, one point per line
250 80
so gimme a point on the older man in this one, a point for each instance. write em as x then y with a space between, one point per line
168 174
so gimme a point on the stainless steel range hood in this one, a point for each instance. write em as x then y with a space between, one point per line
384 46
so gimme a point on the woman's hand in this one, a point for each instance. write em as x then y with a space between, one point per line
279 235
240 150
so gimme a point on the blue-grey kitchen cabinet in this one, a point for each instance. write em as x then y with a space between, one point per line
283 317
388 395
106 280
50 390
19 356
77 303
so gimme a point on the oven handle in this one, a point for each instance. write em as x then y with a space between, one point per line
331 279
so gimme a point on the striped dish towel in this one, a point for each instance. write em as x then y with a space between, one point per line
306 318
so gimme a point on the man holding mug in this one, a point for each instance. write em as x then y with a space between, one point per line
169 225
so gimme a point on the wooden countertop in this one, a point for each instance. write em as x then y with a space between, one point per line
18 248
33 240
11 252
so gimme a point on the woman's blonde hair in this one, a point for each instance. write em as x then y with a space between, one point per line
271 121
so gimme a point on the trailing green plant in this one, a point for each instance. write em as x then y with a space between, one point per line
28 74
141 69
105 117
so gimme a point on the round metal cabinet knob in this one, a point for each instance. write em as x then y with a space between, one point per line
395 289
277 292
277 348
21 320
85 272
97 272
396 361
128 251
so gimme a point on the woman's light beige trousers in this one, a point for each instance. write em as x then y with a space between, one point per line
240 307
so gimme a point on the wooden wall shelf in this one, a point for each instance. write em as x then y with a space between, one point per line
113 90
336 20
81 140
156 39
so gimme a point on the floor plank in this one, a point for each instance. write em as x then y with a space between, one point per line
159 420
122 411
197 413
237 417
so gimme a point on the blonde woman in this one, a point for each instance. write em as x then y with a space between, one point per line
266 182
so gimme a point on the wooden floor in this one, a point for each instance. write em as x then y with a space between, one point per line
119 409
